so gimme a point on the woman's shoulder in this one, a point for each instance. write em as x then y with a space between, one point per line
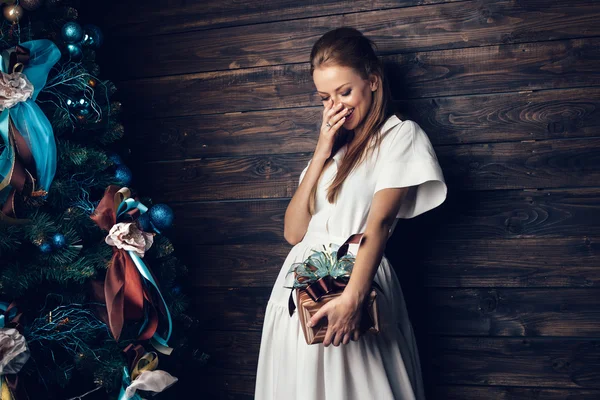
405 137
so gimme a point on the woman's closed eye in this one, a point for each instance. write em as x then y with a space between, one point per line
343 94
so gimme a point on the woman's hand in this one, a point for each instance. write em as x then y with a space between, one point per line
343 319
336 116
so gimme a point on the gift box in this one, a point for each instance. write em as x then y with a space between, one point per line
321 278
307 307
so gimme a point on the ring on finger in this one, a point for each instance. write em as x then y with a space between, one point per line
328 124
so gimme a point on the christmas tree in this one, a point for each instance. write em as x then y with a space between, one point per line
90 288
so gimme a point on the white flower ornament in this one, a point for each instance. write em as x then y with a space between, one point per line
14 88
128 236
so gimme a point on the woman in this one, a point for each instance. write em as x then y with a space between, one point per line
368 169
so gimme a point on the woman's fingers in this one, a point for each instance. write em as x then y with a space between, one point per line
328 336
336 113
337 338
346 338
355 335
340 122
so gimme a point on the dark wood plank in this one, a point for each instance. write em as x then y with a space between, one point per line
460 392
477 70
467 215
548 262
513 165
514 312
530 362
239 265
565 262
459 312
551 114
542 362
230 351
169 17
241 387
458 25
222 386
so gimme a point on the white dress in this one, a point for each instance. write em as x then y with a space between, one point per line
381 367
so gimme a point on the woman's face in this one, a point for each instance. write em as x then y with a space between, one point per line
337 84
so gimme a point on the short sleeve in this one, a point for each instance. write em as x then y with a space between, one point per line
304 172
407 159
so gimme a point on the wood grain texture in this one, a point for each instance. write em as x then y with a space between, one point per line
527 362
471 215
241 387
400 30
513 165
547 262
491 69
541 362
528 115
459 392
514 312
477 70
487 312
175 16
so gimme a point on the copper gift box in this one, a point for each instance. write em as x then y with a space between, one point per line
307 307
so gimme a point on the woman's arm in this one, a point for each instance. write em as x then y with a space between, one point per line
344 312
385 206
297 215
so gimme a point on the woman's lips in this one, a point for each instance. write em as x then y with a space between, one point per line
350 114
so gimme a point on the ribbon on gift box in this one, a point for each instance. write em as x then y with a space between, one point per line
141 374
125 293
29 151
329 284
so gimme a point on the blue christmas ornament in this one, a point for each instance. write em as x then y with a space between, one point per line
45 247
72 32
92 36
83 106
59 240
176 290
161 216
115 158
75 52
144 221
123 174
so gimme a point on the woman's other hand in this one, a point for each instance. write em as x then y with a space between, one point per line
343 319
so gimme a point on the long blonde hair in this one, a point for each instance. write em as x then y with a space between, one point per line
348 47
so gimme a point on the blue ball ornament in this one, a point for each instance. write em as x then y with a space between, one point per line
75 52
92 36
123 174
176 290
81 106
115 158
161 216
45 247
72 32
59 240
144 221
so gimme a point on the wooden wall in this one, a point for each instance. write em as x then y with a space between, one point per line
501 281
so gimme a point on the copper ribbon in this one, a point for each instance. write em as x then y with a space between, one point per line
21 179
124 293
133 353
15 58
329 284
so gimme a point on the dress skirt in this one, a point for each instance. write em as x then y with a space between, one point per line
382 366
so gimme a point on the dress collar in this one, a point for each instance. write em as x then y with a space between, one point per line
392 121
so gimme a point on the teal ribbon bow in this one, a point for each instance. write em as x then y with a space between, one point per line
157 341
29 119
